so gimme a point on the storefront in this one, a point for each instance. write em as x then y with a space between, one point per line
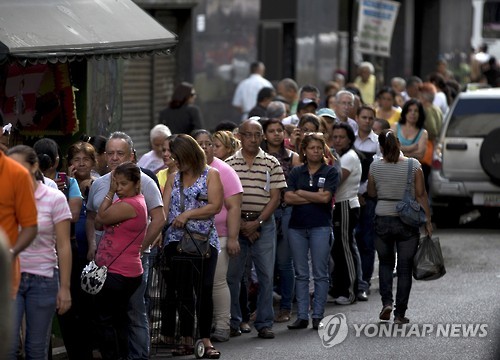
62 64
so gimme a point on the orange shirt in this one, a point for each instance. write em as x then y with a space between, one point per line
17 205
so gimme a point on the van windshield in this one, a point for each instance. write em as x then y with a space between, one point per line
474 118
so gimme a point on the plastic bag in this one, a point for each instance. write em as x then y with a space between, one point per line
428 263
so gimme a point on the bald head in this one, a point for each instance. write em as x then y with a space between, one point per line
249 124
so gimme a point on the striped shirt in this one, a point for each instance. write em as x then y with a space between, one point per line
390 182
257 181
40 258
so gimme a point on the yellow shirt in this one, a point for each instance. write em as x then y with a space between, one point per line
367 89
394 118
162 178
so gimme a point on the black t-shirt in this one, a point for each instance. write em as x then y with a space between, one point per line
313 214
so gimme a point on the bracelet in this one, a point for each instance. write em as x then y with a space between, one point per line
108 197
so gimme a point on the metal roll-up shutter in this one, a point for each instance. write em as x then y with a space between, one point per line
136 114
147 87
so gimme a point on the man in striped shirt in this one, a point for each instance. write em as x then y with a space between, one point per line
262 179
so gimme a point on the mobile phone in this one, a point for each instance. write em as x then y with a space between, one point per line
62 176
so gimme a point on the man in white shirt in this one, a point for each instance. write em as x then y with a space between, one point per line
245 96
344 101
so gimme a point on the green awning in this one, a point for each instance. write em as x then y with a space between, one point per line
39 31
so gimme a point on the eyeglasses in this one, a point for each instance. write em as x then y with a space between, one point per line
248 135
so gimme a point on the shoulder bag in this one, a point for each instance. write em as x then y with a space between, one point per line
93 277
410 211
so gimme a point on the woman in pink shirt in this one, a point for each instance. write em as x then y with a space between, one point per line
124 222
45 264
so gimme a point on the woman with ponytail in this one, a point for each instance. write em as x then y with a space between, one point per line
45 264
387 181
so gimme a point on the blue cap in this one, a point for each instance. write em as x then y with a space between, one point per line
326 112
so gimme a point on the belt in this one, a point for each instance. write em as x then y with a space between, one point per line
250 216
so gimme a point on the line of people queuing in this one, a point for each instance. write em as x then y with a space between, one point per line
288 202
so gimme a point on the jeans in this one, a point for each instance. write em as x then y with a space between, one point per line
365 239
221 296
138 328
362 284
392 231
36 299
317 241
284 262
263 253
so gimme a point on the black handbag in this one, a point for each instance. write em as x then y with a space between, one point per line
410 211
194 243
428 263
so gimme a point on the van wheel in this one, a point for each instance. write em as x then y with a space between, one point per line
489 155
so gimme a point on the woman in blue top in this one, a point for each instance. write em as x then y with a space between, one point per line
410 130
310 191
203 198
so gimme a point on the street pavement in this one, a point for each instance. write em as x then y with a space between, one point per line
467 296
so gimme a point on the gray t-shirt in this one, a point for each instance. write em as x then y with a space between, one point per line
100 188
390 182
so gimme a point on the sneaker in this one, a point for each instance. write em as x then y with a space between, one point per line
342 300
399 320
266 333
221 335
283 316
385 313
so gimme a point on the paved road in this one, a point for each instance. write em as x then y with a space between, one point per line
468 294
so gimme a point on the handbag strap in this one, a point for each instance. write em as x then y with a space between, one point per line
409 179
181 194
125 248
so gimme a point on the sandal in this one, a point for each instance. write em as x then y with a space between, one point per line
183 350
211 353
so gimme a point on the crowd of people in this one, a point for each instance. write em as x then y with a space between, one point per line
295 202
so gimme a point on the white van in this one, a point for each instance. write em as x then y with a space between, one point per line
465 171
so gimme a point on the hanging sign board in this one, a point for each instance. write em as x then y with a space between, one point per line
376 21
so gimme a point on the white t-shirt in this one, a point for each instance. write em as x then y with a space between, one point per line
246 93
348 190
151 162
440 102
